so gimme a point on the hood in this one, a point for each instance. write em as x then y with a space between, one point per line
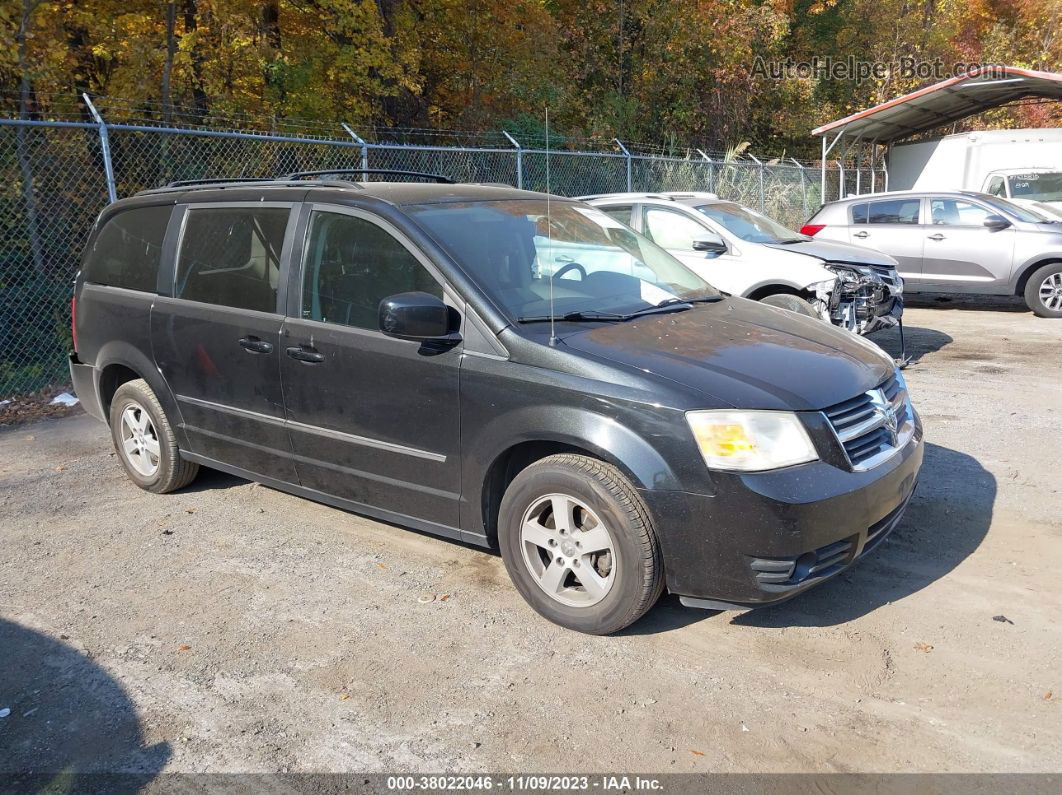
744 354
831 251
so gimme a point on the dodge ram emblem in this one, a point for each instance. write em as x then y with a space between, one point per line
884 409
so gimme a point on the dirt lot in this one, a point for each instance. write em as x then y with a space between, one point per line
231 627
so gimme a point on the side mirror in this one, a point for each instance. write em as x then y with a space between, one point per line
994 223
415 316
709 243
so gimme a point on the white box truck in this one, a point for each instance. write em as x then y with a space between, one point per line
1022 165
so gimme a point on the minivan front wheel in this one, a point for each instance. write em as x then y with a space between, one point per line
1043 291
579 545
144 440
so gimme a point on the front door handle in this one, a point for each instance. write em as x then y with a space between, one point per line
861 234
937 236
256 345
305 354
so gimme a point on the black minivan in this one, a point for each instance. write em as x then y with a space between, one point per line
497 366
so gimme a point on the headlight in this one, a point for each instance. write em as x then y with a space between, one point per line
823 289
845 275
750 441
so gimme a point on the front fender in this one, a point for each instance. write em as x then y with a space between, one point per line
577 427
1025 269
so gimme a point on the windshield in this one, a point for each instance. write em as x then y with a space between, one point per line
1043 187
748 224
598 265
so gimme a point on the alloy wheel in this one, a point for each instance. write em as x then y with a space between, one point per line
1051 292
140 441
568 550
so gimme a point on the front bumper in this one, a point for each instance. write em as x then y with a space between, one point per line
766 537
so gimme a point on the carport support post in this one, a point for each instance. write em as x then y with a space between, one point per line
519 160
825 151
357 138
711 169
627 155
105 150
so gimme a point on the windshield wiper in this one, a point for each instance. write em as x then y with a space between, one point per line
592 315
587 316
791 240
674 305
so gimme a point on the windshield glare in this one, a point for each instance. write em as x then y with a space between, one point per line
596 263
1042 187
1017 211
747 224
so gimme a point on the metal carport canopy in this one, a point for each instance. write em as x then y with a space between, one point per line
939 104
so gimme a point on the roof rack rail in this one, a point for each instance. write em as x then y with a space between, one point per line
337 171
182 183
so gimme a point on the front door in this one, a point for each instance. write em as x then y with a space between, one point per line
216 339
961 253
372 419
676 231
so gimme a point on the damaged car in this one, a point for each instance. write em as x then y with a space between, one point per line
745 253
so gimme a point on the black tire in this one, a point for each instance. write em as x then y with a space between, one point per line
794 303
171 472
1033 298
636 564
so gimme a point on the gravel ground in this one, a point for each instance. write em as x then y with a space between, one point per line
231 627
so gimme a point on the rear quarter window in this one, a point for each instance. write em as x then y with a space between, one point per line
128 248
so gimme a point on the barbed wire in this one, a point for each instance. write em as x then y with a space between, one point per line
68 106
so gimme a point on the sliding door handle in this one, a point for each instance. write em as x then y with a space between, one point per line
937 236
256 345
305 354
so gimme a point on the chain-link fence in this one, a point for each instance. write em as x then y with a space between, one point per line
55 177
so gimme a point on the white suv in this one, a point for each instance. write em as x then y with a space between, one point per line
744 253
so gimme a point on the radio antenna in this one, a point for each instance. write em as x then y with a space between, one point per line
549 237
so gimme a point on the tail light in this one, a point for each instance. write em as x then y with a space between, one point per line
73 321
811 229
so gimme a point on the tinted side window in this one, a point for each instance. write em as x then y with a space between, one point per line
859 213
232 256
351 265
128 248
902 211
995 187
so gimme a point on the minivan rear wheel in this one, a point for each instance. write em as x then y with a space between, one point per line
1043 291
794 303
579 545
144 440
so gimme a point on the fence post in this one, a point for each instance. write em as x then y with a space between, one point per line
803 187
763 202
627 155
105 150
357 138
519 160
711 168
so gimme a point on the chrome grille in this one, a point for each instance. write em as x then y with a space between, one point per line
874 425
